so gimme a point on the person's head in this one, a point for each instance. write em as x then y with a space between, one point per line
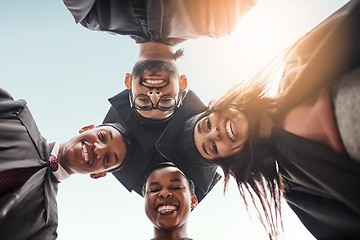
169 198
234 121
95 151
226 127
221 134
156 88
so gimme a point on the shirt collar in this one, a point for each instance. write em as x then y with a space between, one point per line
61 174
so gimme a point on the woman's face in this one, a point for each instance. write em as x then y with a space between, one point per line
222 134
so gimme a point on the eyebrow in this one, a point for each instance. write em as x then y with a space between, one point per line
175 180
204 148
116 157
171 180
199 128
153 183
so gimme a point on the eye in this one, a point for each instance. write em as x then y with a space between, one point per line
176 188
166 99
102 136
208 123
107 160
145 100
154 190
214 147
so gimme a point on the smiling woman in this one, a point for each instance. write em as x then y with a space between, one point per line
169 198
221 134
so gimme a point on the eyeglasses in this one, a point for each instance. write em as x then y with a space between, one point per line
144 103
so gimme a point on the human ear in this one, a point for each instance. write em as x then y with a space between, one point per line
194 201
83 129
97 175
128 80
183 82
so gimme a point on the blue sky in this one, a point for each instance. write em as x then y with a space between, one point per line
66 73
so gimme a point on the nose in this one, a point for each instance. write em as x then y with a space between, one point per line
99 150
215 134
165 194
154 95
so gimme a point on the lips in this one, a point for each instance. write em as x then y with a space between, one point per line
87 152
166 208
230 130
154 82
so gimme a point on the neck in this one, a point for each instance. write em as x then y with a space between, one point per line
156 51
176 234
60 159
266 124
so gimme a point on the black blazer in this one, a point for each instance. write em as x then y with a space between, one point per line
31 211
147 142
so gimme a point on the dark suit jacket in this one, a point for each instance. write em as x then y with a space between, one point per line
142 152
31 211
169 22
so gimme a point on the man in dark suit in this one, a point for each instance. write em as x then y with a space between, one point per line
28 208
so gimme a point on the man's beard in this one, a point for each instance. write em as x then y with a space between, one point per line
154 66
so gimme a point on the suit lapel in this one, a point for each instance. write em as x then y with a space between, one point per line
30 125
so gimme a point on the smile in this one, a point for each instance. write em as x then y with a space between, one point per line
166 209
230 130
85 152
154 82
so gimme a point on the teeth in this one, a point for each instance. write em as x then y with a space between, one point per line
166 208
84 153
154 81
230 130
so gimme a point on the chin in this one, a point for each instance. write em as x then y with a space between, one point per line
156 114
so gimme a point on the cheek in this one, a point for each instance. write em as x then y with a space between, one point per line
228 150
186 208
148 201
173 89
135 89
148 208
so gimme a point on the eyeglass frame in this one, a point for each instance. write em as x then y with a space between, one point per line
176 105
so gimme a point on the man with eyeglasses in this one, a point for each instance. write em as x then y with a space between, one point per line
155 99
156 89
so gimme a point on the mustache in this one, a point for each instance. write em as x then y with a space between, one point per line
154 66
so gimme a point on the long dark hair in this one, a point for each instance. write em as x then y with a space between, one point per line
254 167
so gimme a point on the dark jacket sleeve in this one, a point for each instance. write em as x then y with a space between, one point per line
169 22
8 106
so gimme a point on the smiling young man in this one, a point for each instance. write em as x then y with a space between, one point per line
31 169
156 89
169 198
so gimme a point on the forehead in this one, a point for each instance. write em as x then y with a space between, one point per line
166 175
113 130
112 133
